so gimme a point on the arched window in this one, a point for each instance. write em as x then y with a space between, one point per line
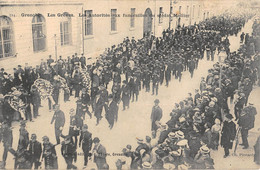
39 33
65 30
6 37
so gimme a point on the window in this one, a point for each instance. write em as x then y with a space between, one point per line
199 12
132 20
88 22
65 31
187 12
38 31
113 20
6 37
160 15
179 9
193 11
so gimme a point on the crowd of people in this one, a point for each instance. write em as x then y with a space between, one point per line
195 124
204 122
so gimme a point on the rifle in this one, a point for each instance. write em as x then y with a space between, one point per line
237 139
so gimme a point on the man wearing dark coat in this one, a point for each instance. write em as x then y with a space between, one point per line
112 113
24 136
156 115
83 61
74 125
246 122
59 119
191 66
99 152
85 99
50 60
228 134
196 96
155 79
239 104
49 154
68 151
35 150
125 95
86 141
7 139
36 101
99 104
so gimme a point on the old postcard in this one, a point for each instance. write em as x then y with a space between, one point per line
129 84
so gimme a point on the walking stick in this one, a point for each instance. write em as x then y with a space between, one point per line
237 139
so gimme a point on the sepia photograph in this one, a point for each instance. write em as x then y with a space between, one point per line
130 84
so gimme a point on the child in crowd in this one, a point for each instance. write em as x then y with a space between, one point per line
216 128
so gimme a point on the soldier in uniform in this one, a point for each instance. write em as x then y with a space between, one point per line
155 79
35 151
246 122
125 95
68 151
59 119
191 66
49 154
179 70
85 141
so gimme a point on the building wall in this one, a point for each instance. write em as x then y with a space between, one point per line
102 36
92 46
23 38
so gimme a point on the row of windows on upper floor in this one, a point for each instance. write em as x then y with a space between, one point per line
39 30
89 19
38 34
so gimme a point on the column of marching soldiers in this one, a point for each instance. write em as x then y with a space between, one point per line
184 141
